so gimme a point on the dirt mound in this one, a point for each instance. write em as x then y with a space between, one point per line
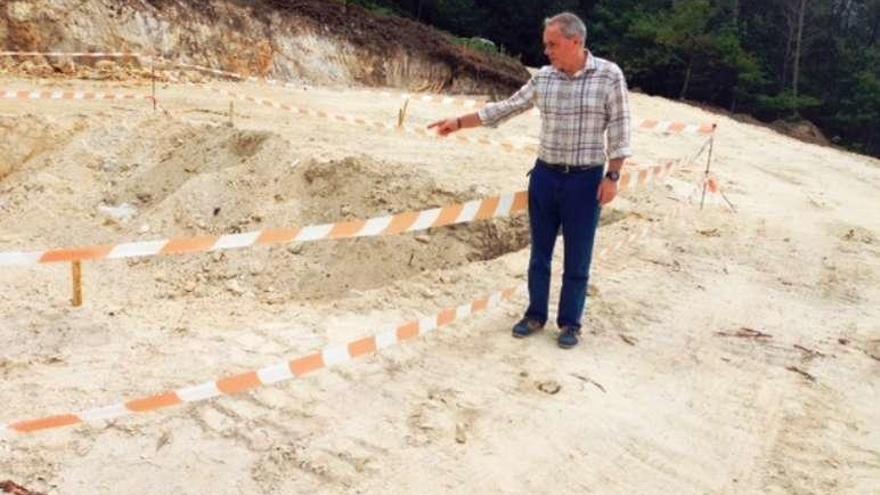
148 178
310 194
802 130
22 139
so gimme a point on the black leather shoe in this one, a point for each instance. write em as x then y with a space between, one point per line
569 337
526 327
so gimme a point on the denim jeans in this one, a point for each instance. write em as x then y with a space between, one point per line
568 201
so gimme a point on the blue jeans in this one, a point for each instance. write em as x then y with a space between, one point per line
562 200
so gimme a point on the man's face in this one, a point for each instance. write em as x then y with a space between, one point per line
560 50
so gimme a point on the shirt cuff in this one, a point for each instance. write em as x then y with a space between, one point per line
485 119
624 152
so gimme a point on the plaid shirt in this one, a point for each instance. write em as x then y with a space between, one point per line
575 113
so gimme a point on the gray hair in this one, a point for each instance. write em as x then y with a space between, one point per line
571 25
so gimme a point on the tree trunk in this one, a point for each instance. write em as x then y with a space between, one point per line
789 42
687 79
874 30
797 49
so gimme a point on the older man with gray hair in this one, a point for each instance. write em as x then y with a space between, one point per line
580 97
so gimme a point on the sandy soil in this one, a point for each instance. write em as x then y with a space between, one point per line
672 391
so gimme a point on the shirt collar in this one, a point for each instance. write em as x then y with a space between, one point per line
589 66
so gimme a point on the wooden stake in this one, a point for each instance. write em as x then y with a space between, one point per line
401 114
77 284
153 69
708 166
231 114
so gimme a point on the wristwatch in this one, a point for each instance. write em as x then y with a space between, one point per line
612 175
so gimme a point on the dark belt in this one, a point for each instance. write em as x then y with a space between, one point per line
567 169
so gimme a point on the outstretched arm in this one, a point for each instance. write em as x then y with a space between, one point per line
492 114
448 126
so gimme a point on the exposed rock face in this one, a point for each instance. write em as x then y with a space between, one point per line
315 41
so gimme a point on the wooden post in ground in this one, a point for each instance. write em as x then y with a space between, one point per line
153 70
231 113
77 284
401 114
708 166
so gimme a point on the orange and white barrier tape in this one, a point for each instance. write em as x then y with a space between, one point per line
635 236
296 368
386 126
677 127
492 207
72 54
668 127
280 372
12 94
432 98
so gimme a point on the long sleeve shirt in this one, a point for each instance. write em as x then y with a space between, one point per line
576 111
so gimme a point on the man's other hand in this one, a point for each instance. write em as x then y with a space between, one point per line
607 191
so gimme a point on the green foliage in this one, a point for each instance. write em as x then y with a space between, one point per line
478 45
735 54
786 104
377 7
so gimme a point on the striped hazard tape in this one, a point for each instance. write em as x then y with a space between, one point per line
445 100
669 127
666 127
277 373
73 54
637 235
385 126
297 368
492 207
13 94
677 127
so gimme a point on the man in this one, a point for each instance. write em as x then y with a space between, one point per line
580 97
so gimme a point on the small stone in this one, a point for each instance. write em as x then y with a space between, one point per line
143 229
549 387
424 239
234 287
460 433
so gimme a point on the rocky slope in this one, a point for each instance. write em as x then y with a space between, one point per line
314 41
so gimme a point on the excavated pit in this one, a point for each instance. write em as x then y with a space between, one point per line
166 179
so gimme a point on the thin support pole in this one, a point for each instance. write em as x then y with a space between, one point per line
153 70
708 167
77 284
401 114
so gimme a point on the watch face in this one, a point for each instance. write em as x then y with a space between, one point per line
613 175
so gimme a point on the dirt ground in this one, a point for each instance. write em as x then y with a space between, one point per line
728 353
